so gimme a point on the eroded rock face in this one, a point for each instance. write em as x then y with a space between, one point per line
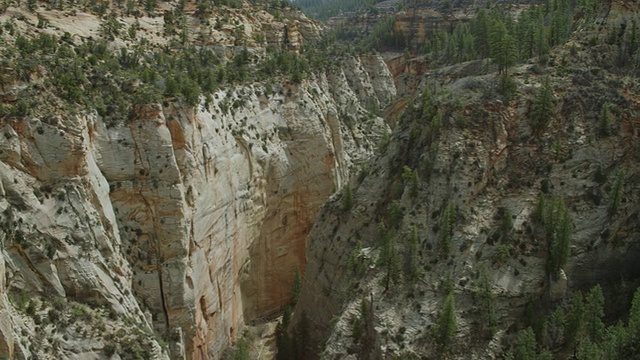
196 216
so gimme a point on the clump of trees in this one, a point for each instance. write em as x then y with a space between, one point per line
93 76
580 327
325 9
495 33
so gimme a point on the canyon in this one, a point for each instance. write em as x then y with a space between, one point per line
174 231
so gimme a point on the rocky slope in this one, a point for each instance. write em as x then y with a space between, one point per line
461 178
182 224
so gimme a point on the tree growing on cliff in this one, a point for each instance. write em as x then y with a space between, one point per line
634 323
301 338
446 227
388 258
411 270
347 198
486 300
284 343
366 340
445 330
616 193
594 313
525 348
296 285
241 352
542 108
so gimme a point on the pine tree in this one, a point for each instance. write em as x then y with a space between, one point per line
446 325
575 320
284 343
634 322
542 107
368 340
446 227
557 226
487 302
301 338
296 285
480 29
594 313
388 257
525 346
616 193
604 129
411 256
502 46
241 352
347 198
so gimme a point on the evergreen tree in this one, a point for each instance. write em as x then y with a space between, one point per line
616 193
446 325
589 350
488 313
388 257
446 227
241 352
575 320
480 29
557 226
296 285
301 338
525 346
411 256
284 342
594 313
502 46
542 107
604 129
368 339
410 177
347 198
634 321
